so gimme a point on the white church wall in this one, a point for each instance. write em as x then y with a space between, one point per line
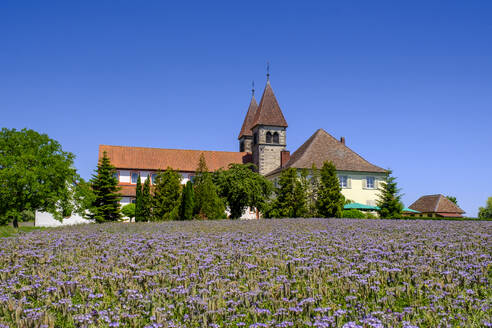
45 219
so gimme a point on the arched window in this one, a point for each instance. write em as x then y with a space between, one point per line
241 146
255 138
269 137
275 138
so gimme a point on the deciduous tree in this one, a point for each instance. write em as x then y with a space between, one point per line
241 188
330 200
129 211
35 175
486 212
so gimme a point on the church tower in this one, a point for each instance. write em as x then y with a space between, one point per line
246 135
269 132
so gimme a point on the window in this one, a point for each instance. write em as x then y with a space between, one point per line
275 138
255 138
343 181
269 137
241 146
116 175
134 177
192 178
370 182
133 201
153 178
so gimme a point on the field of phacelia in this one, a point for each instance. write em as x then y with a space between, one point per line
265 273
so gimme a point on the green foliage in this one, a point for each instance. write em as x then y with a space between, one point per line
486 212
129 211
146 203
389 200
370 215
138 201
330 200
208 205
35 174
167 190
105 206
353 214
453 199
291 200
187 202
241 187
9 231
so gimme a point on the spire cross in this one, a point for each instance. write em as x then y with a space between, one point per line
253 89
268 71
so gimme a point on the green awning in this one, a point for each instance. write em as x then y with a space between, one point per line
358 206
406 209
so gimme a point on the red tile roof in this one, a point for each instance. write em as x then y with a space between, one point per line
124 157
248 120
435 204
269 112
322 147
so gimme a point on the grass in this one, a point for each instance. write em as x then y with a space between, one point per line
9 231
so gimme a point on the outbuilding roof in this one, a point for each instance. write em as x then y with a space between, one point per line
322 147
124 157
439 204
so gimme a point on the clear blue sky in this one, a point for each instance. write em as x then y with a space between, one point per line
408 83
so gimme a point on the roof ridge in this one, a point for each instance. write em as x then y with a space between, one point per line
138 147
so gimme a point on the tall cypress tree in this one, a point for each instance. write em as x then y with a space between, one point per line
138 201
389 202
291 198
146 203
105 207
187 202
167 191
208 205
330 200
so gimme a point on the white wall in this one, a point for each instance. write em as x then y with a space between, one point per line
45 219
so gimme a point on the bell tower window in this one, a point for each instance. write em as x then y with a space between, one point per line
275 138
268 137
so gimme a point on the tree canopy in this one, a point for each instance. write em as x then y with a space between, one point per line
35 174
105 206
291 196
486 212
167 189
330 200
389 200
241 188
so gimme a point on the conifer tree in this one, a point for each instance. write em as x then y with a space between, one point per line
138 201
330 200
389 202
146 203
105 206
208 205
167 190
187 202
312 192
291 198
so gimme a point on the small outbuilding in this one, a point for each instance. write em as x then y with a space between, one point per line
436 206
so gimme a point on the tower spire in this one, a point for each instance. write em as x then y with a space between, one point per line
268 71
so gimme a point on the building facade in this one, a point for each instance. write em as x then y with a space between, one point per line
263 142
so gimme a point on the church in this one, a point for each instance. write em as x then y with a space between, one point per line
263 142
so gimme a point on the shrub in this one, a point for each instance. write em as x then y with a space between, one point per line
353 214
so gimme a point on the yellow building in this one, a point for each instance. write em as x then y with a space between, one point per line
359 179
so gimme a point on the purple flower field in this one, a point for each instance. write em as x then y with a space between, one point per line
265 273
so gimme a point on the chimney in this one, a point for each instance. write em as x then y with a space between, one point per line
284 157
342 140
